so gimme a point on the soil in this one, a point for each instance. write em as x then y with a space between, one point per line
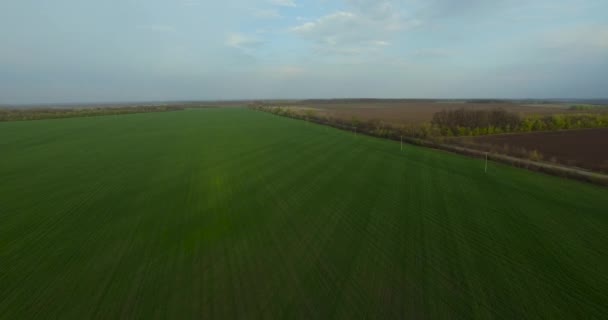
419 112
586 148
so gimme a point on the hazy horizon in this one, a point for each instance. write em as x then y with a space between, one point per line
69 51
602 101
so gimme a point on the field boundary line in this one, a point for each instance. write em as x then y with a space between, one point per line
547 168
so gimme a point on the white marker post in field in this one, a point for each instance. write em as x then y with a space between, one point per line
486 170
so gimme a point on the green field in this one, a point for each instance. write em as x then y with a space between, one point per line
232 213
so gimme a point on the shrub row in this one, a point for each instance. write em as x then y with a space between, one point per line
423 136
52 113
452 123
464 122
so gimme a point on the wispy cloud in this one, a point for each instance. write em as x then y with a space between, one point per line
432 53
190 3
365 28
539 48
156 28
290 71
243 42
267 14
283 3
581 37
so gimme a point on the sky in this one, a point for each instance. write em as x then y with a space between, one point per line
70 51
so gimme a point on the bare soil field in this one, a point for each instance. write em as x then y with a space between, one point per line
417 112
587 148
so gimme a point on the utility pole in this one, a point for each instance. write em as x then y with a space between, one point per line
486 163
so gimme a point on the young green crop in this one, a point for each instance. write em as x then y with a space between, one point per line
232 213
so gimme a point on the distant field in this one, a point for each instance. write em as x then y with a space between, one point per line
418 112
586 148
232 213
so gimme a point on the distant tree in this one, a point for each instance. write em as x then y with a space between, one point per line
535 156
310 114
477 121
355 122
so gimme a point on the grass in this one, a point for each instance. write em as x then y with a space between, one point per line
231 213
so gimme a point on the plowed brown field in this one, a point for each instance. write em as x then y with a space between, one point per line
582 148
419 112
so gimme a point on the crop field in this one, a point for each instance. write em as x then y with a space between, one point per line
587 148
415 113
233 213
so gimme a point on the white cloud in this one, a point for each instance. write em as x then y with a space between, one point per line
582 37
243 42
283 3
380 43
572 45
357 31
329 21
290 71
267 14
561 46
156 28
191 3
374 9
432 53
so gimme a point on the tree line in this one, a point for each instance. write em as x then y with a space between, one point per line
466 122
451 123
582 107
450 130
14 114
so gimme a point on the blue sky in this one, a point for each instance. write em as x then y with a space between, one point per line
142 50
